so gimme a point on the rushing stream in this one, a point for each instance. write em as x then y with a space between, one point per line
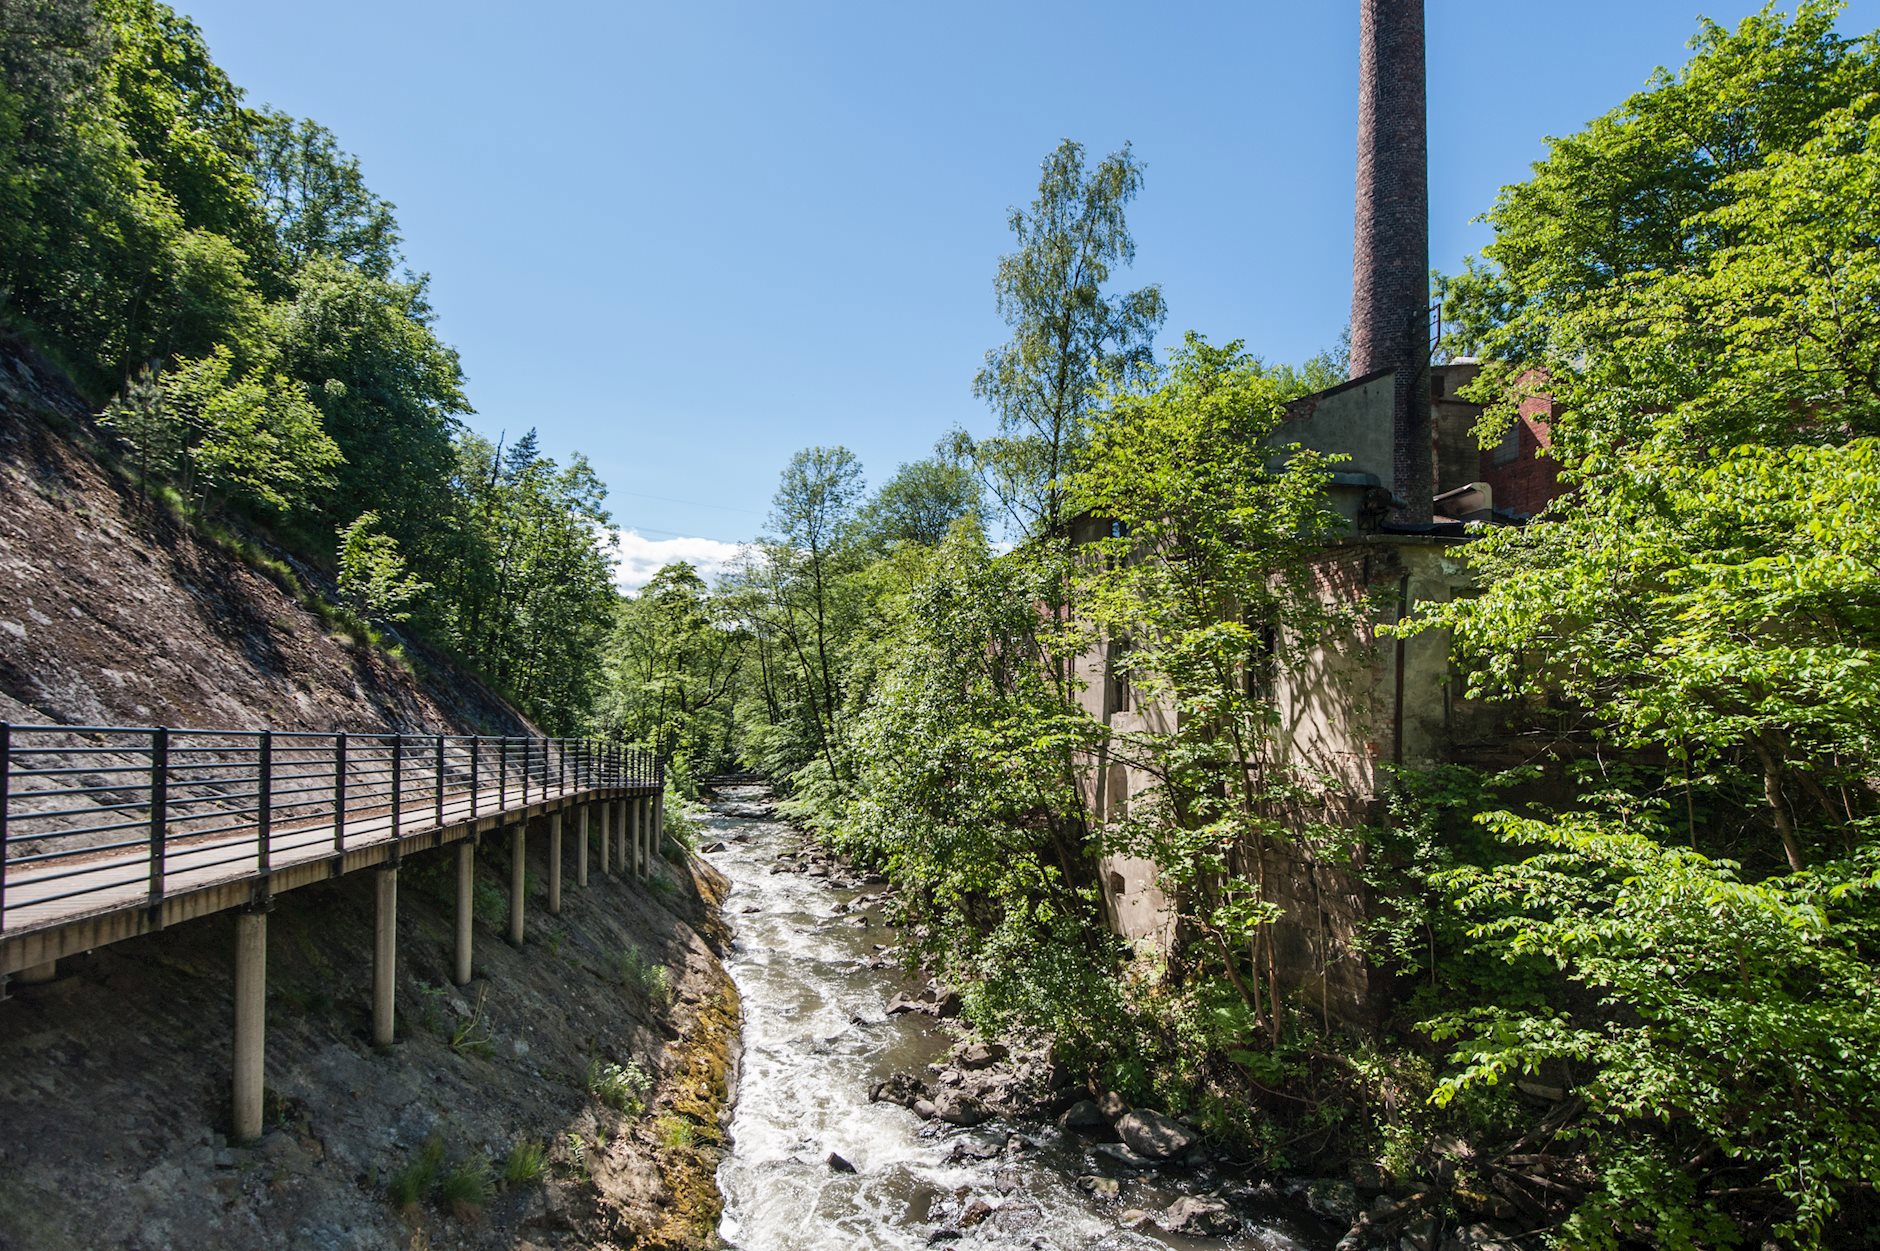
816 1040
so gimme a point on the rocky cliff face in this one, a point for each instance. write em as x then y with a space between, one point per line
114 613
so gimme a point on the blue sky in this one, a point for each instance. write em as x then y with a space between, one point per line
688 239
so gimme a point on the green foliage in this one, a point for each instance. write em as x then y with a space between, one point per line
675 1133
220 438
965 787
674 665
920 503
1201 590
1693 281
229 276
1067 333
644 976
372 579
467 1189
622 1087
524 586
412 1184
1738 1017
527 1162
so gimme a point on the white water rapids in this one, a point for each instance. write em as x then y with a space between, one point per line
816 1040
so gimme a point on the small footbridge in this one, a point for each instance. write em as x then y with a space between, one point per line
109 832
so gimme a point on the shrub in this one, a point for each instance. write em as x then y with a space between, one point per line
621 1087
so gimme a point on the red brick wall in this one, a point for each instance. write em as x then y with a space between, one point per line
1524 482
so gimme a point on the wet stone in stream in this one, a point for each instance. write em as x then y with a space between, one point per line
828 1151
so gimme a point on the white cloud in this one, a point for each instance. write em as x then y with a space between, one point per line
639 557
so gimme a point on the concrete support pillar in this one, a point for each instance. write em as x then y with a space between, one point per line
518 881
251 1007
38 975
554 864
466 908
659 822
385 957
606 836
581 845
628 864
637 819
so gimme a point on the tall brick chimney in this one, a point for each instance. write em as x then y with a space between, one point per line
1391 253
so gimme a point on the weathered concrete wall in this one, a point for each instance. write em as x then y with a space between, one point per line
1352 707
1352 420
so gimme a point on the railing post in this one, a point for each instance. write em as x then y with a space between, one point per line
6 794
527 744
502 778
476 758
440 781
264 808
159 810
561 766
398 788
339 791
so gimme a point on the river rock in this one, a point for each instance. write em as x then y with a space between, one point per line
1117 1153
900 1005
1019 1216
975 1211
1330 1197
1199 1216
1084 1117
1132 1218
1112 1105
1098 1187
947 1004
925 1109
712 848
982 1055
1156 1136
957 1109
838 1164
901 1088
970 1150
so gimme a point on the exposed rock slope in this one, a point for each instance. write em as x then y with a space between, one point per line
113 613
114 1079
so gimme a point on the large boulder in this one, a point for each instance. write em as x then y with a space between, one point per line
957 1109
1199 1216
1156 1136
1085 1117
981 1055
901 1088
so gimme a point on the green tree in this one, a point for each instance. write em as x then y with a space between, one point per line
220 437
1693 280
1203 587
316 199
675 661
1068 333
373 581
390 393
804 563
920 503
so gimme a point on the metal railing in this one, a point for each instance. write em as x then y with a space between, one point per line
86 811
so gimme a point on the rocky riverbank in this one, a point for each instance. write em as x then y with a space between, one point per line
1150 1175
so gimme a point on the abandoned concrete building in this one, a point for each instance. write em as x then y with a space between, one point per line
1352 710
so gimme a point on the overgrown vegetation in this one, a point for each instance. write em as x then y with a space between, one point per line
222 283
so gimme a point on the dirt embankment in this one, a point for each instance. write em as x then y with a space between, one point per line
114 613
603 1043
